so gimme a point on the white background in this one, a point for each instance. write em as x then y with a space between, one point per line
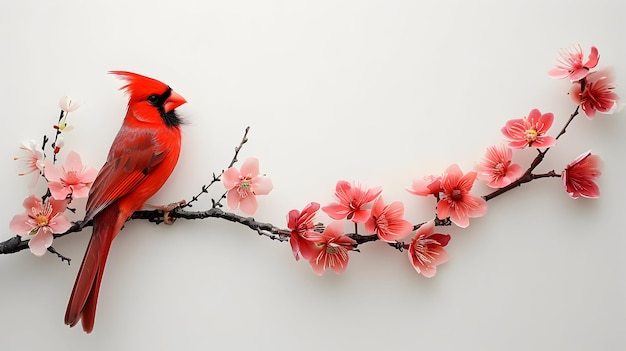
381 92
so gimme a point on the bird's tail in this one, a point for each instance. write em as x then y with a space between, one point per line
84 298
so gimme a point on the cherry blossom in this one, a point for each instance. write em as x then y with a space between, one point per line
32 158
429 185
302 226
352 201
243 186
570 64
331 249
426 250
387 221
496 167
598 94
66 104
579 176
530 131
72 179
40 221
457 202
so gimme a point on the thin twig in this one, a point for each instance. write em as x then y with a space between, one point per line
217 178
63 258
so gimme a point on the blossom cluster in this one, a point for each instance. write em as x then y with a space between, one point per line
44 215
592 91
328 247
357 206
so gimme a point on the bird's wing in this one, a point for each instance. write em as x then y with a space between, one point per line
132 156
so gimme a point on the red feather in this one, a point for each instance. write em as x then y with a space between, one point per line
142 157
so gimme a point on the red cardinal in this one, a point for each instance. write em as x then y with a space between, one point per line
142 157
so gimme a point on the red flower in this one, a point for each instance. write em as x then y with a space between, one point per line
571 63
598 94
496 167
331 249
430 185
301 225
579 176
426 251
352 201
457 202
387 221
529 131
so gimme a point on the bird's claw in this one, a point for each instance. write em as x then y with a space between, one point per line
167 219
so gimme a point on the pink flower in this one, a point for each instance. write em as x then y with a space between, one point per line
302 226
41 220
245 185
571 63
32 158
387 221
496 167
598 93
352 201
579 176
72 179
457 203
430 185
529 131
331 249
426 251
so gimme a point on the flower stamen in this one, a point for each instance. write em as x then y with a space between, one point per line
531 135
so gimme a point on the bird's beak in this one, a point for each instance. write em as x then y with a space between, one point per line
173 101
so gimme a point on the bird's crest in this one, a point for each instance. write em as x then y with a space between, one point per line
140 87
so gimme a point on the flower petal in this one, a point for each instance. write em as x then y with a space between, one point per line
32 202
250 167
59 224
361 216
40 243
594 57
441 257
318 264
73 162
58 191
51 173
443 209
20 224
232 199
558 73
459 217
248 204
80 191
89 175
262 185
308 249
230 177
336 211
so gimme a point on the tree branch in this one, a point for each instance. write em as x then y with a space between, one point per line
528 175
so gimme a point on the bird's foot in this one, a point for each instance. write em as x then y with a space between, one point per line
167 219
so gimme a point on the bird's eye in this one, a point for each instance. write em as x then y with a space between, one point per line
153 99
